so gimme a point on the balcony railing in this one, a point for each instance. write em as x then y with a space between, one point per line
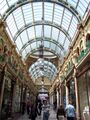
83 53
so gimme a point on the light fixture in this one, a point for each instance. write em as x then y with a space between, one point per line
42 83
41 50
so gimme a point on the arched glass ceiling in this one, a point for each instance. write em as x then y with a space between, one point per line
28 21
43 68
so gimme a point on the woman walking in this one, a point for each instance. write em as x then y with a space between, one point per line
60 113
45 110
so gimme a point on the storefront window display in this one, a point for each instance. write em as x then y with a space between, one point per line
6 104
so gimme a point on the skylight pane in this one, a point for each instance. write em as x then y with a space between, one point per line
38 30
66 19
61 38
27 11
18 17
19 43
33 45
62 53
24 37
66 44
48 9
65 25
55 33
31 33
38 17
38 44
81 10
37 9
47 31
82 6
28 49
74 22
58 50
71 32
53 46
73 27
11 24
58 14
46 44
57 19
3 6
11 2
67 13
48 17
73 2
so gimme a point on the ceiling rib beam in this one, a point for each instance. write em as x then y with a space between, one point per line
46 49
39 39
49 72
40 23
63 3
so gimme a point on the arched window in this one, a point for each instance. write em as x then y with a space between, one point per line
88 40
81 49
1 49
81 45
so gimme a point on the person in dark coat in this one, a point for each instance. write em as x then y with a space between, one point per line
23 107
60 112
39 108
33 113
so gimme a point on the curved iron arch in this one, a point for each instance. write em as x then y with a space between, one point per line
37 73
40 23
59 2
46 49
39 39
49 69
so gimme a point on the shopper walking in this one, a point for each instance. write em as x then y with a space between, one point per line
60 113
70 111
45 109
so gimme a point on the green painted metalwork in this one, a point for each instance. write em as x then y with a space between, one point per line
83 53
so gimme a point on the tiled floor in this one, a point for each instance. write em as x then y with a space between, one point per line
51 117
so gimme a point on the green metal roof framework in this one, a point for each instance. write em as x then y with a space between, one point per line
52 22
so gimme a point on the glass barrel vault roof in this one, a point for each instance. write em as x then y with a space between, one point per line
29 22
43 68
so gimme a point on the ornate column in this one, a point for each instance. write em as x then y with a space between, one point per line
24 94
14 96
57 98
60 96
67 93
2 79
77 96
3 62
21 97
84 41
52 99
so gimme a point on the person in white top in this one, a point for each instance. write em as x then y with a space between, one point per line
70 111
45 109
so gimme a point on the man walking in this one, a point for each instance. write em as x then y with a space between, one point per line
70 111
